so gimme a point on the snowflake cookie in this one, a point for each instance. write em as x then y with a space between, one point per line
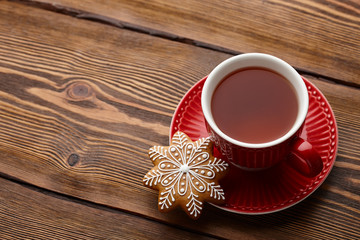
186 174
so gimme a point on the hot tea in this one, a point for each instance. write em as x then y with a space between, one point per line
254 105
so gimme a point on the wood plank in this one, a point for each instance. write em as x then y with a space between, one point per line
81 103
321 37
27 213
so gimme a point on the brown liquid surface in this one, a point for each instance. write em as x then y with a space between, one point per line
254 105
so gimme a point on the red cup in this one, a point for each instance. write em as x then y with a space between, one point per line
257 156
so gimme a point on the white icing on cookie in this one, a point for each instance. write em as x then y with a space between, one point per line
185 169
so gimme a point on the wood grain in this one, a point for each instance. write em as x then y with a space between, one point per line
27 213
321 37
81 102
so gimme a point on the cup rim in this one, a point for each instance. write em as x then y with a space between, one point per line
254 60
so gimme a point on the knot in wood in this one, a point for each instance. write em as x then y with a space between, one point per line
73 159
79 91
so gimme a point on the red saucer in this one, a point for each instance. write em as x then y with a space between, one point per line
273 189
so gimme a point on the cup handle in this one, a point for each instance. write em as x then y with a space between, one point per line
305 159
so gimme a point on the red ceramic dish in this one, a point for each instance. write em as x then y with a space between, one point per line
277 188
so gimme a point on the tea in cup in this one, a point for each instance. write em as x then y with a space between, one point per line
255 106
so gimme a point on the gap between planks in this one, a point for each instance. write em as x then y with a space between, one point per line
80 14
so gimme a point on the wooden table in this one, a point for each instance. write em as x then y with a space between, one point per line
87 87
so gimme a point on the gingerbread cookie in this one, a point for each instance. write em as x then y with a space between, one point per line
186 174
